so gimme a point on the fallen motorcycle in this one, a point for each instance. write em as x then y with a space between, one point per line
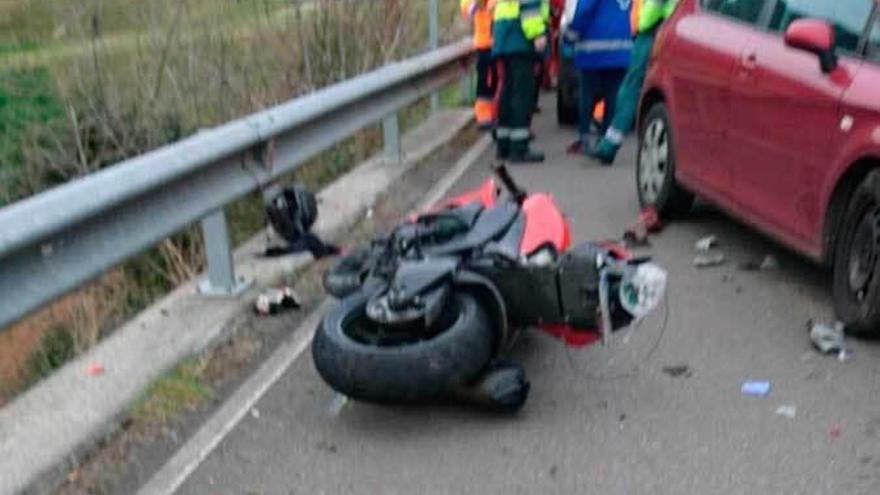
426 312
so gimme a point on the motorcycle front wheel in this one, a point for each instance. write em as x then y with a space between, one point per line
372 362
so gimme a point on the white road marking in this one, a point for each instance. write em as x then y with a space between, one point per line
189 457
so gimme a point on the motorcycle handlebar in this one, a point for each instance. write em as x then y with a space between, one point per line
518 194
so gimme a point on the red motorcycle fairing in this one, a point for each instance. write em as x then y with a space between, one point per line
544 225
571 337
486 194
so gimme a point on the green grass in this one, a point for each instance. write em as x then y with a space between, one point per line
28 102
179 391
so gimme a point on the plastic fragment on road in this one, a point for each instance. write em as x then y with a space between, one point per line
337 404
756 389
706 244
709 260
828 338
769 263
95 369
275 301
678 371
787 411
648 222
834 432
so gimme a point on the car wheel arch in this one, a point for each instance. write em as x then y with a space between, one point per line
650 98
838 201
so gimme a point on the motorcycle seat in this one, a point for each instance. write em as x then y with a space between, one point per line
490 225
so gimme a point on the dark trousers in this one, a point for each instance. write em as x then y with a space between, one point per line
595 86
517 103
487 78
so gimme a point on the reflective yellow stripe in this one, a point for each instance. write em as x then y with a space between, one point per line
506 10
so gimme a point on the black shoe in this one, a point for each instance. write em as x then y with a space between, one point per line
529 156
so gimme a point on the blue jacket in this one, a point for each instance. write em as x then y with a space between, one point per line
601 33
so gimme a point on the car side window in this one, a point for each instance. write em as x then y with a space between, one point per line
847 16
748 11
874 40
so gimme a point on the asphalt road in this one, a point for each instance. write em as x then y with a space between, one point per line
603 421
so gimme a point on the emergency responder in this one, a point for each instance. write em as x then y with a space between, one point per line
600 31
518 31
646 18
479 12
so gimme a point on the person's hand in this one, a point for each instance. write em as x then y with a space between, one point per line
540 43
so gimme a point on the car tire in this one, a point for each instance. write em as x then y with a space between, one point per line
655 166
566 95
431 369
856 267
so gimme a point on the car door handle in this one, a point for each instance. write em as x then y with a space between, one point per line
749 61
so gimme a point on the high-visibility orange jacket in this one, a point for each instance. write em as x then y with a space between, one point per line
480 11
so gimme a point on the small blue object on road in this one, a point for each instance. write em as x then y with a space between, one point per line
756 389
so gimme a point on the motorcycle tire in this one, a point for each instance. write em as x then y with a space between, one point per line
424 370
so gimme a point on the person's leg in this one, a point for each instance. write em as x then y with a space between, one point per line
505 105
483 106
588 80
612 80
521 78
627 99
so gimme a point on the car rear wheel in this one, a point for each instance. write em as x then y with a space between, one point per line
856 275
655 169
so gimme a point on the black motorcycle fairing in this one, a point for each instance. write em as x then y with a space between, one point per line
507 246
415 278
490 225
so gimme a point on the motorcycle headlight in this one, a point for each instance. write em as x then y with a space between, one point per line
642 290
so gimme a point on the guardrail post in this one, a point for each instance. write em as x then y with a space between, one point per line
221 280
391 135
433 42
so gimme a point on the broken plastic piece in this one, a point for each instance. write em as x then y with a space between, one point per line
708 260
756 389
827 338
769 263
706 243
834 432
787 411
276 300
95 369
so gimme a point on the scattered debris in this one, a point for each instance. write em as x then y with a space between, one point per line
828 338
95 369
788 411
768 263
706 244
647 223
756 389
337 404
275 301
834 432
708 260
255 413
844 355
369 214
678 371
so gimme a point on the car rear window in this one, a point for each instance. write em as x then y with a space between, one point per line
847 16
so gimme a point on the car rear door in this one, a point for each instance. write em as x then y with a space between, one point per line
708 46
786 115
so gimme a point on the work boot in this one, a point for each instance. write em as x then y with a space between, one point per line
502 148
520 152
605 152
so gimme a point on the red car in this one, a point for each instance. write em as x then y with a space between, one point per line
770 109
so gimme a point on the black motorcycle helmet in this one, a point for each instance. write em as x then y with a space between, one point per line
292 210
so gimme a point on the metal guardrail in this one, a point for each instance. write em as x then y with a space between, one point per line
56 241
